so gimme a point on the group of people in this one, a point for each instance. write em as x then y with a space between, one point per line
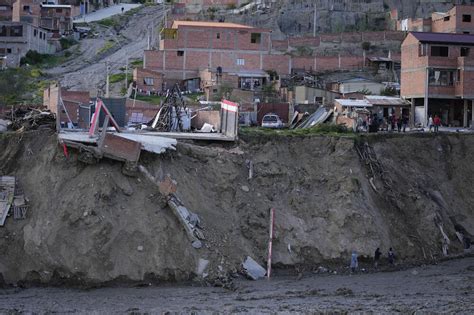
377 255
434 123
373 123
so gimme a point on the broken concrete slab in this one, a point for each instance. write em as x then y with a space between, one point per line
253 269
201 266
150 143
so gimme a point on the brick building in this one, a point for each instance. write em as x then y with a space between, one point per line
28 11
188 47
6 10
460 19
73 100
56 18
438 76
147 80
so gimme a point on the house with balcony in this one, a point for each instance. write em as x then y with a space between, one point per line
437 75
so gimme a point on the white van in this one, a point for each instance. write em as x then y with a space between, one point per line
272 120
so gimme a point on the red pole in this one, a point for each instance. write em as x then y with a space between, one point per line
269 262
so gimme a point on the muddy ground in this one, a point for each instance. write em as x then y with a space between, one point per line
443 288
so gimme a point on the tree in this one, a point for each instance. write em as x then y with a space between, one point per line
13 85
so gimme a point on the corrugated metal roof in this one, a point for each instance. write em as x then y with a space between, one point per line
378 100
353 103
176 24
381 59
447 38
64 6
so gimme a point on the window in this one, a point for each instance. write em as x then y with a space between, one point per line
16 31
148 81
35 32
26 8
240 62
3 8
439 51
467 33
3 30
423 50
58 10
180 53
441 77
9 50
255 38
466 18
218 35
446 18
464 51
137 117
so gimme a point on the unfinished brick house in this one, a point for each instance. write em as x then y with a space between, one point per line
188 47
73 101
438 76
6 10
28 11
460 19
56 18
148 81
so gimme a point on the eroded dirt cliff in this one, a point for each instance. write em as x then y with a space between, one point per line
92 224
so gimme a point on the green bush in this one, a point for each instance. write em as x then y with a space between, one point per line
330 128
67 42
117 77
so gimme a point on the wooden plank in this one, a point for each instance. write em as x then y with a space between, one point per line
7 194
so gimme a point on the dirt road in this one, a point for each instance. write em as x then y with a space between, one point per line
87 69
444 288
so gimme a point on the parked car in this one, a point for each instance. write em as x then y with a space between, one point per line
272 121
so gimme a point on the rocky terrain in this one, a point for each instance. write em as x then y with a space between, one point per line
296 17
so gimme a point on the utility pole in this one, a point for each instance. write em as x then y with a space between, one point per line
107 83
148 40
314 20
126 75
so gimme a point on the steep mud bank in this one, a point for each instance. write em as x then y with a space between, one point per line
92 224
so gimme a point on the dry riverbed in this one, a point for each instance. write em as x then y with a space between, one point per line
443 288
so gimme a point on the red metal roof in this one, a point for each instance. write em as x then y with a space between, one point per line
446 38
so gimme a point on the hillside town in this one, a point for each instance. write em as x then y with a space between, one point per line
320 145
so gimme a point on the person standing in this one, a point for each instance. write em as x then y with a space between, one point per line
391 256
430 122
377 257
399 124
354 262
405 122
437 123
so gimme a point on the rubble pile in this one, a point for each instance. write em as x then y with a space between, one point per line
28 118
